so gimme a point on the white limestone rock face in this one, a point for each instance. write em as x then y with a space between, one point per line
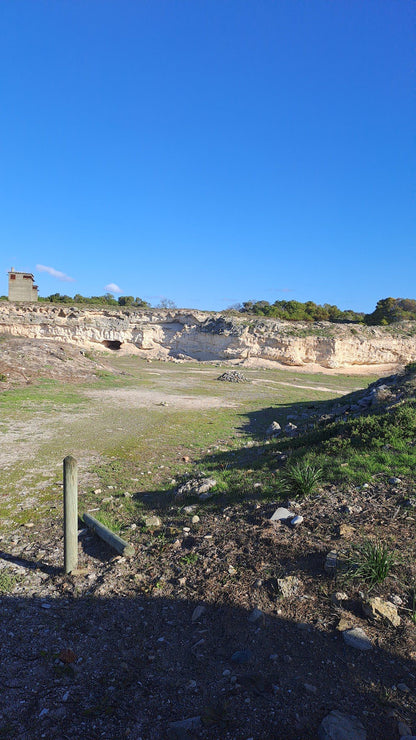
199 335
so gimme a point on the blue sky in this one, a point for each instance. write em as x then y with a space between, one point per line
209 151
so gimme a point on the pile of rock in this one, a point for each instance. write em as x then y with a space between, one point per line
233 376
199 486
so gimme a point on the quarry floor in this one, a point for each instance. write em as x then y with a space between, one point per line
120 649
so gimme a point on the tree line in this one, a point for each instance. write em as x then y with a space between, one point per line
103 300
387 311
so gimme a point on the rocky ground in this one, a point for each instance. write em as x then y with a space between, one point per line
223 625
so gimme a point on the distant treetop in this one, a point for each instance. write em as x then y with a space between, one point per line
101 300
297 311
387 310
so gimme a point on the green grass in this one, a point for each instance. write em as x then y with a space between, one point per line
109 520
139 448
356 450
302 478
8 581
370 563
44 395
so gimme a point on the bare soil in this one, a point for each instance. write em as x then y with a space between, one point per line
138 657
23 361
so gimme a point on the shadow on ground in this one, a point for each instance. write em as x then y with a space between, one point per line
96 658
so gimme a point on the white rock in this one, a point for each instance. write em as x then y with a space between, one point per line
298 519
281 514
274 429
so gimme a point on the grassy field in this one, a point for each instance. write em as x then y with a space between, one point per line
131 432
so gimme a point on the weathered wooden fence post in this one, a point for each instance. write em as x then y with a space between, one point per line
70 514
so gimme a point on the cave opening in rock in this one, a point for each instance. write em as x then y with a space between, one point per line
111 344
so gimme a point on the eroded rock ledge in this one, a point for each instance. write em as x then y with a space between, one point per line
197 335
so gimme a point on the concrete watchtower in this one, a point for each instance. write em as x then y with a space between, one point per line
22 287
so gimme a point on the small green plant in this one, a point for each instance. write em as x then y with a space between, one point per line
3 378
7 581
302 478
109 521
371 562
190 559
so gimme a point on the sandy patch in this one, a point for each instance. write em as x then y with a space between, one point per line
22 440
145 398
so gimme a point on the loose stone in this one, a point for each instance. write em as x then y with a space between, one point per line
338 726
331 562
376 608
152 522
182 726
357 638
288 586
281 514
274 429
255 615
298 519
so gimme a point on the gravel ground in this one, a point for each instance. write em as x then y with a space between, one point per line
128 647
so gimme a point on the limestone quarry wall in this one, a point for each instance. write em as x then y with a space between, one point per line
206 336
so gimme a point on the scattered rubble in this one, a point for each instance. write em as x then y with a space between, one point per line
201 487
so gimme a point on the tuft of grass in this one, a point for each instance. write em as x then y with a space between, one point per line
302 478
8 581
109 521
371 562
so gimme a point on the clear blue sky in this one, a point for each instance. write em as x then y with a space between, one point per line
210 151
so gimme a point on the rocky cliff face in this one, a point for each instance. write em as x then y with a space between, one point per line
200 335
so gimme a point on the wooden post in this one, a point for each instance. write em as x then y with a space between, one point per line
112 539
70 514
